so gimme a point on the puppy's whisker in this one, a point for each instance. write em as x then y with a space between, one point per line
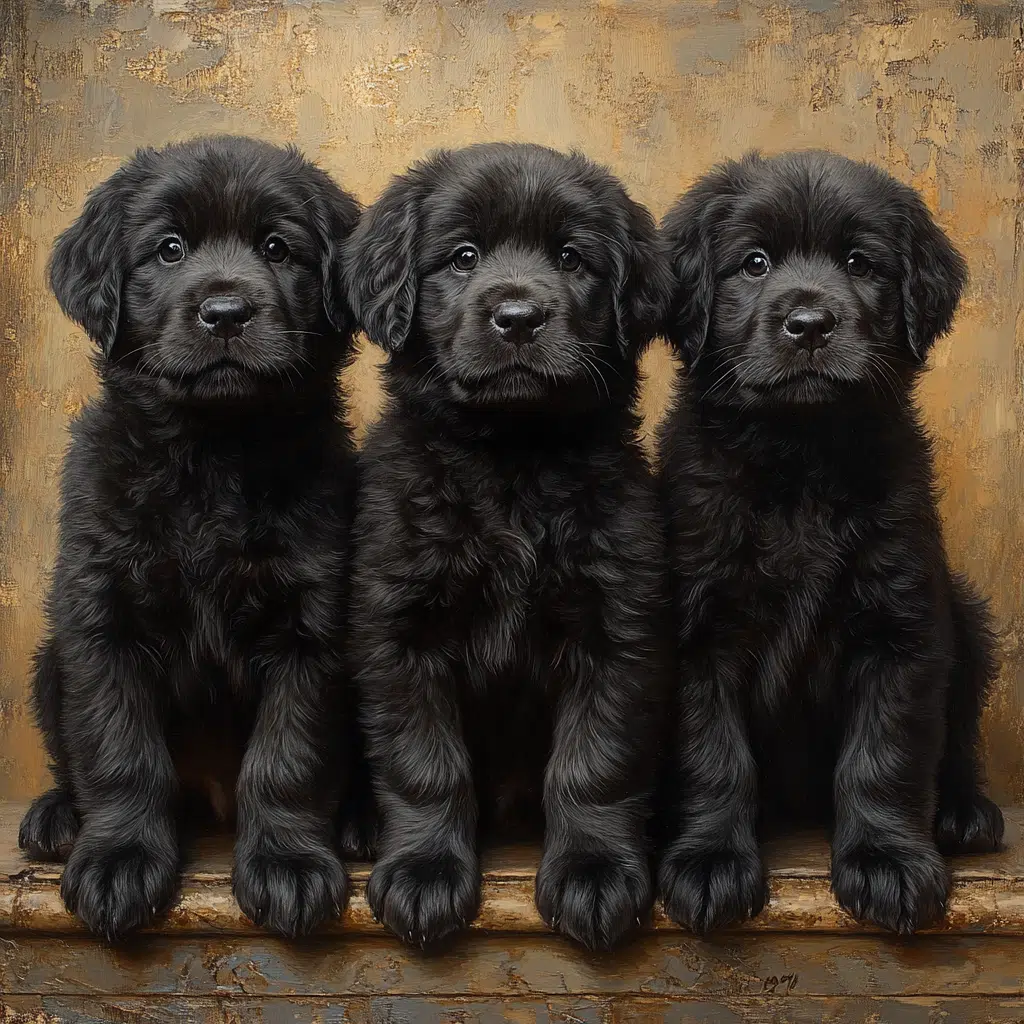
300 357
734 347
595 376
434 375
292 376
886 376
604 362
711 390
591 377
729 371
130 352
738 381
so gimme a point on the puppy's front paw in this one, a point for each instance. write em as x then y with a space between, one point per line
707 890
289 891
594 898
900 890
423 897
971 825
50 826
116 886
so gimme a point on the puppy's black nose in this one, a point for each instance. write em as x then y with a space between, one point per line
225 315
518 319
810 327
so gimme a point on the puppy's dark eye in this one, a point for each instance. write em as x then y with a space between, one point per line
171 250
756 265
858 265
465 258
569 260
274 249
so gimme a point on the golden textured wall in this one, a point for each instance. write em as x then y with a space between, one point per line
657 90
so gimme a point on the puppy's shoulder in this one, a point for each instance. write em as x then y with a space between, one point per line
388 441
99 445
625 477
687 454
400 447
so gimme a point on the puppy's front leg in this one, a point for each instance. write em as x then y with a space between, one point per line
966 821
711 872
51 824
886 867
123 868
426 883
288 876
594 881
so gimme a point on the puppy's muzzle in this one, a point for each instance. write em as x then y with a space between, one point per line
225 315
518 320
810 327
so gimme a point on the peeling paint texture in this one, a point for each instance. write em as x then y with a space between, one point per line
656 90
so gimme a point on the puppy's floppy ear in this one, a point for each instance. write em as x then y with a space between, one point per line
687 234
381 267
334 214
644 285
934 276
88 260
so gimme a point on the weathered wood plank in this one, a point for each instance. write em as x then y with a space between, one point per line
975 907
988 892
484 965
582 1010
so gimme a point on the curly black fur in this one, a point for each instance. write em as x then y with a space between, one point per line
507 576
197 603
831 663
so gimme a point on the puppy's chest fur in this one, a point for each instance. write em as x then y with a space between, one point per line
765 563
505 545
214 556
208 554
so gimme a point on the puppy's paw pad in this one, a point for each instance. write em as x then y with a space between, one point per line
902 891
422 898
116 889
593 898
705 891
974 825
290 891
50 827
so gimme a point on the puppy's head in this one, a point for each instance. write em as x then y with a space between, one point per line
806 277
207 271
509 276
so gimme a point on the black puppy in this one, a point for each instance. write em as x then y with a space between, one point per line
198 595
831 663
509 554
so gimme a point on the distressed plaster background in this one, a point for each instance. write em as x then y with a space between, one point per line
657 90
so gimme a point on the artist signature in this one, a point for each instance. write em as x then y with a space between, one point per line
780 985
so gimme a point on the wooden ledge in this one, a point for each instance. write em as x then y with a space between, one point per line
987 896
